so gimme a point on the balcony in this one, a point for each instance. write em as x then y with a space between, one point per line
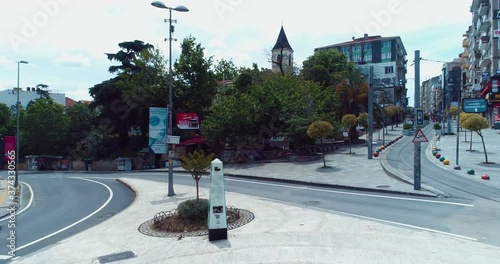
485 24
483 9
465 43
485 41
485 62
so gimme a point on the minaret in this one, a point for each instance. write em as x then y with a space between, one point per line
282 54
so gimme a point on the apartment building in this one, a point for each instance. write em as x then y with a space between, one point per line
387 55
484 54
9 96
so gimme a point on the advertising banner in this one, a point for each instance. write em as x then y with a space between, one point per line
188 121
10 145
158 129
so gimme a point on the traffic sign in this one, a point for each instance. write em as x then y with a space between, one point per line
420 136
420 117
173 139
474 105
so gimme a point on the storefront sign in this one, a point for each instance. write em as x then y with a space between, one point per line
496 14
188 121
10 147
496 33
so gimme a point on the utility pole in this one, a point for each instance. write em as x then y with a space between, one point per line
370 116
417 147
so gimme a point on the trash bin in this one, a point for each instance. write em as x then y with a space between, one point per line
88 164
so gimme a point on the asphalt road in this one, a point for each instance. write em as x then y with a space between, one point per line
69 203
61 206
479 221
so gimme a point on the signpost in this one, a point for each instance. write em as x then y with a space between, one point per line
420 117
474 105
420 137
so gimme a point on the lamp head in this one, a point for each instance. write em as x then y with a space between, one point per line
24 62
181 9
159 4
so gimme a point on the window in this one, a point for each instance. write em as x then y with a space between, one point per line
386 56
356 58
368 58
356 48
386 44
368 47
389 69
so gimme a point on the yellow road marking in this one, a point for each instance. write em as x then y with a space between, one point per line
4 192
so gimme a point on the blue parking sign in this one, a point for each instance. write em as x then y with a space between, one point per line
420 117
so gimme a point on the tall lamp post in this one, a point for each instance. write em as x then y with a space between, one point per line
18 137
170 102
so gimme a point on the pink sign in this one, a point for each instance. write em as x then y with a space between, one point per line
10 146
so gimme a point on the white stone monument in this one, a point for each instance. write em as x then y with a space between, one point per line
217 216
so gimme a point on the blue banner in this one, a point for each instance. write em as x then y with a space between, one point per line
158 123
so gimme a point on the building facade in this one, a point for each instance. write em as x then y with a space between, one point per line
387 55
9 97
484 55
282 54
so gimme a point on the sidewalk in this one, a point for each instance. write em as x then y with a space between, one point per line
6 200
351 171
279 233
447 145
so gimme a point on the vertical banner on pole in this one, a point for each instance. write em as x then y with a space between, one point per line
158 123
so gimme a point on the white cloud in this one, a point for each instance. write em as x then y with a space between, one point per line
75 60
78 33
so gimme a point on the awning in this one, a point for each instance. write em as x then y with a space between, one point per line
192 141
486 89
496 105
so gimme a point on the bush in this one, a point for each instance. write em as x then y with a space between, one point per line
407 126
437 126
194 210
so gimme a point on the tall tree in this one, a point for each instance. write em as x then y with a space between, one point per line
118 108
196 84
5 116
44 128
225 70
323 62
476 123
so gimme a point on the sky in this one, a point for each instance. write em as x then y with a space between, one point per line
65 41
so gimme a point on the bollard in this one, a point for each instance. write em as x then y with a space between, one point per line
217 216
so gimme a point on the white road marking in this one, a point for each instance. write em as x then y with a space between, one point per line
399 224
27 206
5 257
77 222
353 193
395 198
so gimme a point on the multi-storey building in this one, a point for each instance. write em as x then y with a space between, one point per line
484 54
9 97
387 55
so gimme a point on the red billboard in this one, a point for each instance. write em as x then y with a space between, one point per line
188 121
10 146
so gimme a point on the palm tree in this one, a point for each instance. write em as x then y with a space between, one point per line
353 95
353 91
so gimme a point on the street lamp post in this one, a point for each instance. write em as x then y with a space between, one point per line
170 84
18 137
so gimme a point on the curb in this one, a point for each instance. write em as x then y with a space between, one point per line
394 173
131 188
316 184
457 172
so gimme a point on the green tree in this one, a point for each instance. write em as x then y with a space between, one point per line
476 123
391 112
196 84
331 60
454 111
80 123
197 163
42 90
319 130
349 121
5 116
225 70
124 100
363 120
464 117
44 128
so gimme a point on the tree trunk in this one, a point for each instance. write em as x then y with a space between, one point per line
322 151
470 147
197 190
484 148
465 134
350 144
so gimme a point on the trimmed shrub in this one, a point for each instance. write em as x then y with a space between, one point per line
194 210
437 126
407 126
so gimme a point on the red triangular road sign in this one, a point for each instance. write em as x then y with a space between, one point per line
420 136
